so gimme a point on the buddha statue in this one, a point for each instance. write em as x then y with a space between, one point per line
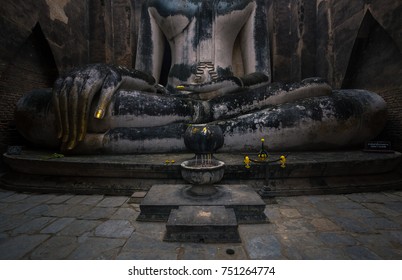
219 74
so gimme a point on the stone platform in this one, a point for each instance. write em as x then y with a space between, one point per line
305 173
162 199
202 224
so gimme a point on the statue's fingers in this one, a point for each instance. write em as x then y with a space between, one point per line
73 112
90 88
207 87
112 83
226 84
56 106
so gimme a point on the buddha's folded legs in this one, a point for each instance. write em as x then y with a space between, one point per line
138 122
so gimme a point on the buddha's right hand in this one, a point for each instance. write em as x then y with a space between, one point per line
73 94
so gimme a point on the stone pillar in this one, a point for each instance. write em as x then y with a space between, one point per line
97 32
121 22
325 53
293 39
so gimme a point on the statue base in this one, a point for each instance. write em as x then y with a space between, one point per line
162 199
202 224
305 173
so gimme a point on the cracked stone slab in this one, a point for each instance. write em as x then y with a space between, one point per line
17 247
115 229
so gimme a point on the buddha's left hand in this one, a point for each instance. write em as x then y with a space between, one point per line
224 85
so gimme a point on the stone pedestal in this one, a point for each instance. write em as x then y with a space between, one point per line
162 199
202 224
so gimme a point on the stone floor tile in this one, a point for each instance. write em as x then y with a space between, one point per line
69 210
17 247
39 198
394 205
9 222
266 247
79 227
3 237
247 231
153 230
381 209
290 213
300 240
360 253
99 213
348 205
357 213
60 198
326 198
324 224
3 205
326 209
55 248
113 201
139 242
369 197
59 210
39 210
97 248
351 224
16 197
396 219
76 199
4 194
319 253
57 225
127 213
309 211
380 223
84 237
387 253
394 237
92 200
292 253
78 210
273 213
339 239
293 201
196 251
200 251
373 240
33 226
115 229
146 255
17 208
294 225
393 196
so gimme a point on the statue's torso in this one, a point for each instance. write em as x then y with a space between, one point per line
201 35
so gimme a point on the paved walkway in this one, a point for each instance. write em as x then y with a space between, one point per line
63 226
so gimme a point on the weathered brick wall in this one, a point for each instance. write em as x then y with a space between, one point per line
393 129
364 50
32 67
38 39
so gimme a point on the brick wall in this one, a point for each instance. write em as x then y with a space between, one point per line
393 129
374 61
32 67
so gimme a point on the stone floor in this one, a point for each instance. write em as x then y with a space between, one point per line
63 226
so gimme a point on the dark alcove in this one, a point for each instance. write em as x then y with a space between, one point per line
33 66
376 61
